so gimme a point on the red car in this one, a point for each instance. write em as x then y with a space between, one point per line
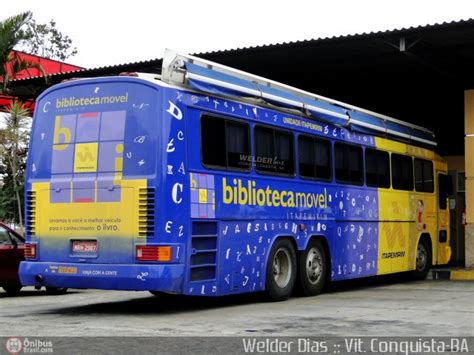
12 253
12 249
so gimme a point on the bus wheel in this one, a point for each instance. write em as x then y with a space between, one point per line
12 290
423 260
162 295
56 290
312 272
281 270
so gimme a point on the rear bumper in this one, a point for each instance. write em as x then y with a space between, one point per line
137 277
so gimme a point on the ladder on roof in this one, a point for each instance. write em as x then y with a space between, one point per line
203 75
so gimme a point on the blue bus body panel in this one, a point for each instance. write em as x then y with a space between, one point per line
345 216
95 151
165 278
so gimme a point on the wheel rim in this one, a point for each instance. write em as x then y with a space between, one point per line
282 268
421 257
314 265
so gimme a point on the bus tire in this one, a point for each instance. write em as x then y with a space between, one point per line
162 295
12 290
313 268
281 270
55 291
423 260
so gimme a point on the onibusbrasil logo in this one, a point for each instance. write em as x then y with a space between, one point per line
14 345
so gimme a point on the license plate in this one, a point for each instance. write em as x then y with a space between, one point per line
89 246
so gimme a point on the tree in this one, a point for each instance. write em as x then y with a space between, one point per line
47 41
8 196
44 39
13 138
24 33
13 146
12 34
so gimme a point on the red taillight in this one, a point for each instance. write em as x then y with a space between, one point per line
153 253
30 251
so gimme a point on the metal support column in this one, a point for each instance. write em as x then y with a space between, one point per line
469 168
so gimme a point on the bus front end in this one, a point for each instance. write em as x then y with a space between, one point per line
91 189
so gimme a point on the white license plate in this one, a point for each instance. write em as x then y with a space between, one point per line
84 246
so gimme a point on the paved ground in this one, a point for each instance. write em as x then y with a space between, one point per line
389 306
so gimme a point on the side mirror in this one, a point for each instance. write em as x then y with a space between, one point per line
14 243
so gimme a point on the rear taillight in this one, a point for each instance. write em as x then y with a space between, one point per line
30 251
153 253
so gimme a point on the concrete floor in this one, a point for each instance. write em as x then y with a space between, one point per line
373 307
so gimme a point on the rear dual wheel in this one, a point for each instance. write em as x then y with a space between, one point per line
312 268
282 269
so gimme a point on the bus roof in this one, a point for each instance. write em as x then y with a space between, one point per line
206 76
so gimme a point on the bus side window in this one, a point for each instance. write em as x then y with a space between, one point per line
213 141
238 145
424 175
314 158
274 151
348 164
264 149
284 153
323 159
225 143
402 172
377 168
306 157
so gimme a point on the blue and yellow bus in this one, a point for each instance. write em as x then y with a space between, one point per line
205 180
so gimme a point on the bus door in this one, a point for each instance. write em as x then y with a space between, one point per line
443 219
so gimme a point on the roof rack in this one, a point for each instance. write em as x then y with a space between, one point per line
203 75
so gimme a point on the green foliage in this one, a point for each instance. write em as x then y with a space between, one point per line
21 32
12 34
14 133
16 65
13 137
8 192
45 40
13 148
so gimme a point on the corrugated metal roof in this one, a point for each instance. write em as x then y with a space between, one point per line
405 30
348 36
150 61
